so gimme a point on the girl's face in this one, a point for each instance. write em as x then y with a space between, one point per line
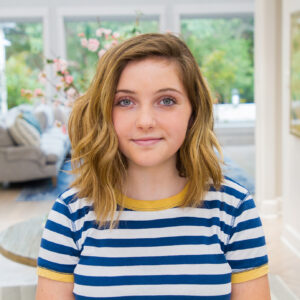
151 112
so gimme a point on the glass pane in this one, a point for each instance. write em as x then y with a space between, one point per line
223 48
24 59
82 62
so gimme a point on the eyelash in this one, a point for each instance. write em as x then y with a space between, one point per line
171 98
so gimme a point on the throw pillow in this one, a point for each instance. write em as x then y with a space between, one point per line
44 114
32 120
24 133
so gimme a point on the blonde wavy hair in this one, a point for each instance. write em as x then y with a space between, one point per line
100 168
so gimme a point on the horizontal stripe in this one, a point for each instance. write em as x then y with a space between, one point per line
231 191
55 227
154 233
165 214
62 249
62 259
151 290
248 263
153 270
246 253
253 223
246 244
43 263
152 242
164 297
58 238
153 280
160 260
255 232
64 277
151 251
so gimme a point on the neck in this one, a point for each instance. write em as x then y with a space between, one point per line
153 183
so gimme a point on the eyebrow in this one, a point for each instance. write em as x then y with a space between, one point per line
159 91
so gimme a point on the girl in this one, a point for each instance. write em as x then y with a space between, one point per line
149 214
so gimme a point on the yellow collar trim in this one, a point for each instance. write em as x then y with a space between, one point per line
152 205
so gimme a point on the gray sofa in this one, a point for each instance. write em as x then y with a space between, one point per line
28 153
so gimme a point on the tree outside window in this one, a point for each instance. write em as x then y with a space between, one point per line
223 48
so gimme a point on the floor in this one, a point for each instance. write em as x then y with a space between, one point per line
284 265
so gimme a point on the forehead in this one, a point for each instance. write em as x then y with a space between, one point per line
148 67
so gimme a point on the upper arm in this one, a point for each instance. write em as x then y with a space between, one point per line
48 289
257 289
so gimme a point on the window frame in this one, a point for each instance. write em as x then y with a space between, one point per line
26 14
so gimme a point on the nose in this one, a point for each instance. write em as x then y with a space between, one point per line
145 118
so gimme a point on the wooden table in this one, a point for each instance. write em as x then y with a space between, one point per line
21 241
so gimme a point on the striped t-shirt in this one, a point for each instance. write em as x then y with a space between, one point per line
158 250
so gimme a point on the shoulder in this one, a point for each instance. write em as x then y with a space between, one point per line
69 203
230 198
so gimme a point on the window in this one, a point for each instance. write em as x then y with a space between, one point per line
223 48
24 58
83 63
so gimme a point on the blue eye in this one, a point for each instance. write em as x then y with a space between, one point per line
126 102
169 101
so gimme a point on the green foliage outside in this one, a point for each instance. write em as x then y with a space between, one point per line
24 60
223 49
83 63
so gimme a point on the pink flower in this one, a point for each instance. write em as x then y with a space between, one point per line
114 43
81 34
68 79
115 35
107 31
64 129
57 123
42 77
93 45
99 31
71 93
38 93
60 64
58 87
101 52
84 43
26 93
107 46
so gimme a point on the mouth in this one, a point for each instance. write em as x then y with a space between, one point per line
147 142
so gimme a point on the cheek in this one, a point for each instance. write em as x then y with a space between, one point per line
120 124
176 129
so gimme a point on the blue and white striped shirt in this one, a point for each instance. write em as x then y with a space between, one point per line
158 250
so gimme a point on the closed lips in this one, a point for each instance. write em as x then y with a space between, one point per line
148 139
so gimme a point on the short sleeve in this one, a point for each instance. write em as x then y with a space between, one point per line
246 250
59 254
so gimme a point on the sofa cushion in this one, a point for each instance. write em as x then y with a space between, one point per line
54 144
44 114
29 117
5 139
23 133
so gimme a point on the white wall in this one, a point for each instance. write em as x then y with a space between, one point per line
291 143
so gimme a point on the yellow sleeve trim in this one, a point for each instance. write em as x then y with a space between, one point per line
249 275
65 277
